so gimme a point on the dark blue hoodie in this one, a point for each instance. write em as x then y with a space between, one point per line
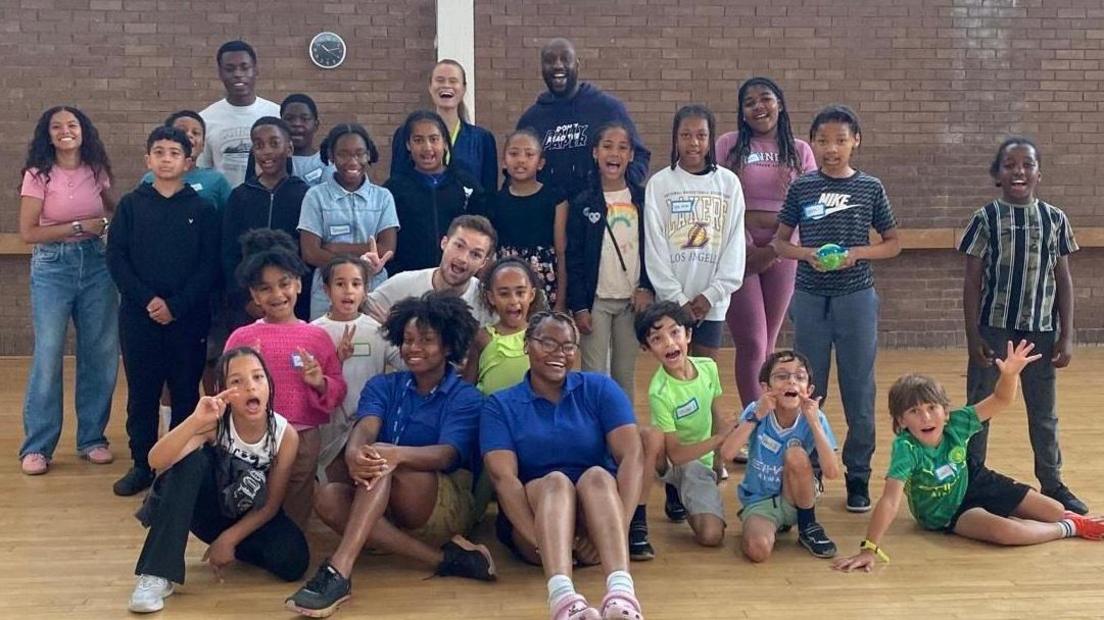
568 126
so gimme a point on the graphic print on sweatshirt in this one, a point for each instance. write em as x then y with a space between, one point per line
569 136
696 225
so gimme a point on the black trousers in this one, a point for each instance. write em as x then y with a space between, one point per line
155 355
188 501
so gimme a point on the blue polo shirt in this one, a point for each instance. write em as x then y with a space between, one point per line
568 437
448 415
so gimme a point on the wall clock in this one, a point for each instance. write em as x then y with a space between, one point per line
327 50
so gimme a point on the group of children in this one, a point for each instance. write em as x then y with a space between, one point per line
211 274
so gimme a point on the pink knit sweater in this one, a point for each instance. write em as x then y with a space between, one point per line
295 400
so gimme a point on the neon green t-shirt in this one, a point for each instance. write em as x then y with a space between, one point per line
935 478
686 407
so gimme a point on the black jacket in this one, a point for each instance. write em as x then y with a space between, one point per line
586 229
425 214
252 205
167 248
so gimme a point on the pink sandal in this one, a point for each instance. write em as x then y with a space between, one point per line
621 606
575 608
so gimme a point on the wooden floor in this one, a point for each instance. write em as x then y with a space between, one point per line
68 546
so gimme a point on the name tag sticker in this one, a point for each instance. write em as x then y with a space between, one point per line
682 206
197 187
814 211
340 229
313 175
945 473
770 443
686 409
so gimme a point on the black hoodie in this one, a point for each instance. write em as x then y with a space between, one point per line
425 214
568 127
252 205
167 248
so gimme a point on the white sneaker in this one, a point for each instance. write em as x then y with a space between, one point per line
149 594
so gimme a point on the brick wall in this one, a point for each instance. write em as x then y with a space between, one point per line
937 84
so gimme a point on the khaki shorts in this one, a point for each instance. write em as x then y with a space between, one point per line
697 487
777 509
453 511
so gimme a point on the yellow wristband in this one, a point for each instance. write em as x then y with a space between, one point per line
867 545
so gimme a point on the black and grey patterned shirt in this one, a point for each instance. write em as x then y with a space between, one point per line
1019 245
840 211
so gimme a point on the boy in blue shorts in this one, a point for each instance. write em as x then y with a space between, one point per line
783 430
682 396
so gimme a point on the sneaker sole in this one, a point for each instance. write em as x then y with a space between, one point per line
325 612
99 461
467 545
857 509
641 556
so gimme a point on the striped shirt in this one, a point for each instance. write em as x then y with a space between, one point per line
840 211
1019 246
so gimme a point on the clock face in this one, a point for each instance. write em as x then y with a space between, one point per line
327 50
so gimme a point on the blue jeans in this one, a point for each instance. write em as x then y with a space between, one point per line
71 280
850 324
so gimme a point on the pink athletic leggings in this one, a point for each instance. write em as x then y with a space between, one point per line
755 316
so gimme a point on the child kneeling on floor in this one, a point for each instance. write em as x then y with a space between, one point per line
785 430
682 396
948 491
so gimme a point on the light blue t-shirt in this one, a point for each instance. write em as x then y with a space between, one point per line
207 182
310 168
766 452
339 216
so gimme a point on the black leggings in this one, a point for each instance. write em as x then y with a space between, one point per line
189 501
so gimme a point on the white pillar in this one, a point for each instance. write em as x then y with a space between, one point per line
456 40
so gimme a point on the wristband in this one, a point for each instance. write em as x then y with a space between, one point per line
867 545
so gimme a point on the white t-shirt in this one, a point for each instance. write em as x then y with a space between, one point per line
371 356
228 144
420 282
256 454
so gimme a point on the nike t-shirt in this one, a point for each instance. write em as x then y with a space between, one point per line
840 211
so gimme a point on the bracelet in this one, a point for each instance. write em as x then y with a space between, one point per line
867 545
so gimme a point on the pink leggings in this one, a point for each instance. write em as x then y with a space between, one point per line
755 316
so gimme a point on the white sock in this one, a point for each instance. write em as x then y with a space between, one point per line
164 419
620 581
1069 528
560 587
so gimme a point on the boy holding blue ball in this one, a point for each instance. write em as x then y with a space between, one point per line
838 307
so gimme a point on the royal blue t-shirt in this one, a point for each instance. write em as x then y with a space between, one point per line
568 437
448 415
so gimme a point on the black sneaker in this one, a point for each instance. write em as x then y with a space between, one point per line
858 495
640 550
673 506
136 480
322 595
816 541
464 559
1067 499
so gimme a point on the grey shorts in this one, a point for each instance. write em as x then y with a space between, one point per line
697 487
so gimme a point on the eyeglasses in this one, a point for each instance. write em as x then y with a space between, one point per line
800 375
548 345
